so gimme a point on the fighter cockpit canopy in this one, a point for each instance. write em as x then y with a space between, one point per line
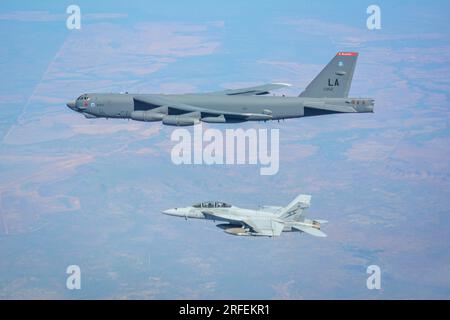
212 204
83 97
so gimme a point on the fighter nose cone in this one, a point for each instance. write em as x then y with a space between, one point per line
171 212
71 104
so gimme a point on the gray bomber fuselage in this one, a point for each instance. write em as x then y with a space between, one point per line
114 105
326 94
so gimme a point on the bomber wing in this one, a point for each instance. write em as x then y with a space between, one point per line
261 226
250 91
161 104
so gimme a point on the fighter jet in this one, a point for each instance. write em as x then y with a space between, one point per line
326 94
267 221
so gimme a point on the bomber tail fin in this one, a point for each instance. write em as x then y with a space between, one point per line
335 79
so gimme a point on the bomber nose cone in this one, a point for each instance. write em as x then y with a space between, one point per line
71 104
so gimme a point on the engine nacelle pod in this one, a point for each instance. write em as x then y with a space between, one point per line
146 116
179 121
219 119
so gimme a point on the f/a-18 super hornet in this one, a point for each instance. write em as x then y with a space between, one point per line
326 94
268 221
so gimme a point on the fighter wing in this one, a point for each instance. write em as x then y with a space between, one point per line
250 91
271 209
261 226
161 104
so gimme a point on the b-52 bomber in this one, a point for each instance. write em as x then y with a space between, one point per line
326 94
267 221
